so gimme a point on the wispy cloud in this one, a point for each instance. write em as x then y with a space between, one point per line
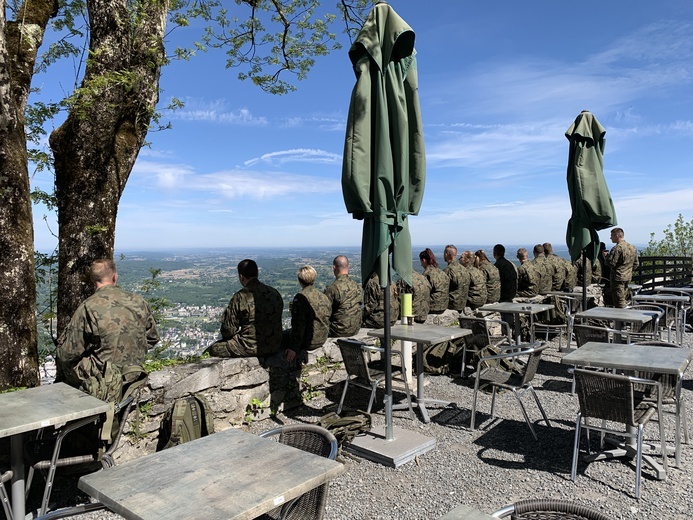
304 155
234 184
216 111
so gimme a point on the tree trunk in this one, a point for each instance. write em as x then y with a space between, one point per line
96 147
19 43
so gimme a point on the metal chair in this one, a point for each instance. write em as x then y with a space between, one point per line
585 333
355 356
613 399
565 306
482 335
671 395
5 476
121 411
665 320
549 510
313 439
489 372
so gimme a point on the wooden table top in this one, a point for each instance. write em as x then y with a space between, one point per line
227 475
664 360
422 333
612 313
661 297
520 308
47 405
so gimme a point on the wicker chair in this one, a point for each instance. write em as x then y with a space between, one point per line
524 360
671 395
482 336
355 356
612 399
313 439
549 510
565 307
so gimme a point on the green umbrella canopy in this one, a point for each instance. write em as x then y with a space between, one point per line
592 207
384 164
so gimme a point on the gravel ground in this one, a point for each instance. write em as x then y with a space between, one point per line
497 464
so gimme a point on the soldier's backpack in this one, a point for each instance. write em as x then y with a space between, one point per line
188 419
347 425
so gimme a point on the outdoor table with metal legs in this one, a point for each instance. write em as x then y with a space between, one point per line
639 358
422 335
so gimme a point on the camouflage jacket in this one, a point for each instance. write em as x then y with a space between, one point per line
593 270
528 279
557 271
508 279
477 287
570 274
440 285
111 325
622 259
459 286
252 322
310 319
493 284
420 295
545 274
373 310
346 297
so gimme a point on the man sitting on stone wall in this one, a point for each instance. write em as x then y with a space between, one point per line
252 322
346 297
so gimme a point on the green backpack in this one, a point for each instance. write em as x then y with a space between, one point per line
347 425
188 419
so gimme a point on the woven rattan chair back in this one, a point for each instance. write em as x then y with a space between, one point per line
605 396
313 439
550 510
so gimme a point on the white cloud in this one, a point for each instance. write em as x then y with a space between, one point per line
296 155
217 111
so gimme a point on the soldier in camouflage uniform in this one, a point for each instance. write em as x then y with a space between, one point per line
622 259
346 297
543 268
252 322
493 284
557 268
528 278
440 283
459 280
420 295
373 309
476 297
111 325
310 318
507 272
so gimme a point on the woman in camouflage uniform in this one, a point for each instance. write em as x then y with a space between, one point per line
440 283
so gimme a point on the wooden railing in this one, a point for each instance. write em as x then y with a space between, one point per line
668 271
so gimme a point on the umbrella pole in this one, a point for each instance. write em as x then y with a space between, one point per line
584 279
388 358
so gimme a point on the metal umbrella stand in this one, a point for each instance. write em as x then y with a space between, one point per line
590 200
384 170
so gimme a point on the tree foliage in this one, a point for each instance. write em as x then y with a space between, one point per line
677 241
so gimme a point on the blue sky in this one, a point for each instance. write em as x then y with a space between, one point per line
499 84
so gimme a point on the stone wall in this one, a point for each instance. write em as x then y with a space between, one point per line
236 389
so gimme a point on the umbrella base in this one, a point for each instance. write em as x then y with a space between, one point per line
405 446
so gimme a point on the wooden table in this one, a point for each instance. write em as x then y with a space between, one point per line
227 475
422 335
530 309
641 358
35 408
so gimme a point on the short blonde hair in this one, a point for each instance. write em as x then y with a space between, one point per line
307 275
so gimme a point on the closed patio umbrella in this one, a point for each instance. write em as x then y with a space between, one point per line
592 207
384 169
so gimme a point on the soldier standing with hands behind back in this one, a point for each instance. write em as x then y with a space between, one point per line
622 259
